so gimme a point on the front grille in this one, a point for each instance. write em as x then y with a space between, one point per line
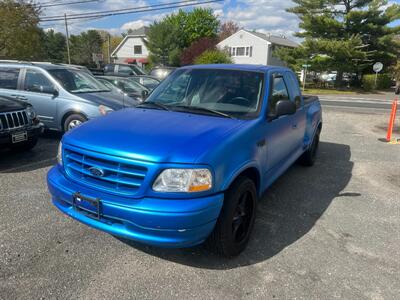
13 120
116 177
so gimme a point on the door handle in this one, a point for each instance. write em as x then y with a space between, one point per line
294 126
22 98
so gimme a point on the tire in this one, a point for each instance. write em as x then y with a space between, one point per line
73 121
236 220
26 146
310 156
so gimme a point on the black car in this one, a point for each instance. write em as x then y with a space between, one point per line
19 125
130 87
123 70
150 82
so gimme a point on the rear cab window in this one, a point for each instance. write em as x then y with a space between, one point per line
9 78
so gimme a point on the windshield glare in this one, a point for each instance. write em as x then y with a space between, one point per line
233 92
77 81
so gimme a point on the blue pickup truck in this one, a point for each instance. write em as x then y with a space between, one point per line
189 164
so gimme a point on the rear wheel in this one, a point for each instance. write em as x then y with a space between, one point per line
73 121
236 221
310 156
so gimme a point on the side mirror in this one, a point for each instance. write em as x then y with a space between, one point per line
56 93
145 94
285 107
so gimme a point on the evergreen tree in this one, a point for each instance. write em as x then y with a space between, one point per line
345 35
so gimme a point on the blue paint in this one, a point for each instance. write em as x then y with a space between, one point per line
142 142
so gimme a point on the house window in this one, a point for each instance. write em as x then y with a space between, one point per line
137 49
241 51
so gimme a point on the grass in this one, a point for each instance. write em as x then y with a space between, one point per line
315 91
330 92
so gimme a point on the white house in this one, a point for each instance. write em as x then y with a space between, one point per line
132 48
250 47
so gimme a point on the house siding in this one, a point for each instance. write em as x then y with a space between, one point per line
245 39
126 50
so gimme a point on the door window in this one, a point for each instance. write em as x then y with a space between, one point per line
279 92
9 78
35 81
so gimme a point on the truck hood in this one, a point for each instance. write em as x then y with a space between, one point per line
113 100
152 135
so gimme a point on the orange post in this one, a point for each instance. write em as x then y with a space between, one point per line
391 121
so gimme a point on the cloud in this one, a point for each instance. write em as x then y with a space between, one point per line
268 16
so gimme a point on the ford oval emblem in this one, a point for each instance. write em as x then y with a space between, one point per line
97 172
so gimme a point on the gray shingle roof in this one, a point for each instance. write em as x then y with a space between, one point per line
274 39
140 31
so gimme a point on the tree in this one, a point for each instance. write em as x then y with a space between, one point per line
54 46
345 35
20 35
196 49
162 42
227 29
167 38
82 47
213 57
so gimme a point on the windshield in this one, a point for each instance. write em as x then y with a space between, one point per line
233 92
77 81
137 70
130 86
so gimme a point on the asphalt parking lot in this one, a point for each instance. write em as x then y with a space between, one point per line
330 231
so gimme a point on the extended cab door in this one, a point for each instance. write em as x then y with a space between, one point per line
300 117
38 90
281 132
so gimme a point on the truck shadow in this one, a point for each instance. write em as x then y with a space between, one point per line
41 156
288 211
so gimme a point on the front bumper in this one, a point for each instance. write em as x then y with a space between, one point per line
32 131
160 222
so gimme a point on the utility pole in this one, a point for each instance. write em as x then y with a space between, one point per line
67 35
109 48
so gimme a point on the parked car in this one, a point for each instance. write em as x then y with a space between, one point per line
63 97
130 87
19 125
190 163
161 72
123 70
147 81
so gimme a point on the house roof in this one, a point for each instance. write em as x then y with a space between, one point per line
139 32
277 40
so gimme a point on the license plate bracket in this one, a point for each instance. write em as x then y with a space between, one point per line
90 207
19 137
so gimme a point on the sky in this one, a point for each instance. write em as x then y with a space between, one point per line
268 16
261 15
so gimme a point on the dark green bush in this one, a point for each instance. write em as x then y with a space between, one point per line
384 81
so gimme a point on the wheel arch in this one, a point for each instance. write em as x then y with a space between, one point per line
69 113
249 171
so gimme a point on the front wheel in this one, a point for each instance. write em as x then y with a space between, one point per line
236 221
73 121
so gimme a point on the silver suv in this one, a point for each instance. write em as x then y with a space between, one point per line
62 96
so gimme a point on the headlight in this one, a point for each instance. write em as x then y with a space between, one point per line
59 154
104 110
30 112
183 180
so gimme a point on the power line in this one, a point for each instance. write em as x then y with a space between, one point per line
52 4
131 10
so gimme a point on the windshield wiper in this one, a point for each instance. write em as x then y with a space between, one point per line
203 109
155 105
